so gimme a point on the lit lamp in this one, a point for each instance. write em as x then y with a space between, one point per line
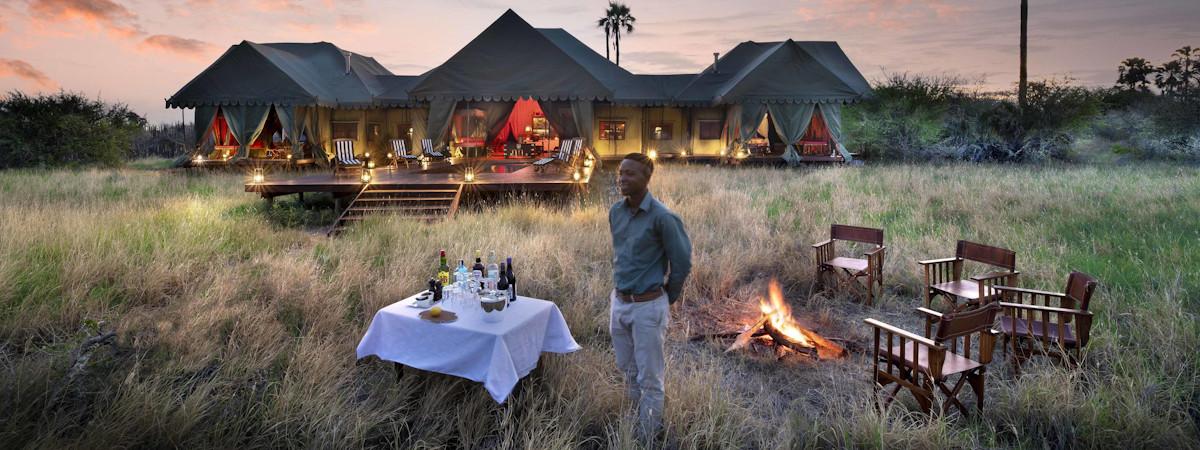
199 159
410 131
723 152
469 176
258 175
370 164
366 176
653 154
587 162
576 176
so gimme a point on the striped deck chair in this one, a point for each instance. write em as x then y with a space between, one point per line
343 157
427 149
564 151
400 153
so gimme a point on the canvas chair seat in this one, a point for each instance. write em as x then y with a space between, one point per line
852 264
967 289
953 364
1021 327
400 149
427 149
345 153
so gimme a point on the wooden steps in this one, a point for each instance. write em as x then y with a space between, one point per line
428 202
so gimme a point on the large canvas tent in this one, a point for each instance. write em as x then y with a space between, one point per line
322 92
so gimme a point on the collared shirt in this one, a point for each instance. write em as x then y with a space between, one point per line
648 243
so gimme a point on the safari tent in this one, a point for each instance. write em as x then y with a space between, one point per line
515 87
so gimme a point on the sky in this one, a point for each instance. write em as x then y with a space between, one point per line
139 52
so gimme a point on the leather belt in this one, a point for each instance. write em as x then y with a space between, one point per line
638 298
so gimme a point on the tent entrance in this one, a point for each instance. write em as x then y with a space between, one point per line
502 130
768 141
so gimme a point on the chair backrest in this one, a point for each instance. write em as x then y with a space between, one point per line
565 150
987 254
1080 287
427 145
856 234
344 149
962 323
399 147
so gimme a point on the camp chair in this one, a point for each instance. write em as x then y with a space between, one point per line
849 272
1059 330
919 363
343 156
427 149
943 277
563 152
400 153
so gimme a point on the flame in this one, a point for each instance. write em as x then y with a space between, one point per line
780 316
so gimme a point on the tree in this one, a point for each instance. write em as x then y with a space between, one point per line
1189 60
1134 73
1023 84
1170 78
616 19
607 24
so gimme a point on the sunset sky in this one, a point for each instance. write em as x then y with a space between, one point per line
141 51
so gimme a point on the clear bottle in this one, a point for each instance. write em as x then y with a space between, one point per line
461 274
493 270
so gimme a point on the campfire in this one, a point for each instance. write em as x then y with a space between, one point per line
777 327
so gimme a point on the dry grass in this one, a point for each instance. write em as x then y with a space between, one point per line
237 326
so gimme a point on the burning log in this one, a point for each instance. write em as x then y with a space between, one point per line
777 322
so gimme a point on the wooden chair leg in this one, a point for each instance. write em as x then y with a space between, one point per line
977 382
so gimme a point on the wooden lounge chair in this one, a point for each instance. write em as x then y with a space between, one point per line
400 153
1052 323
563 156
944 277
925 364
343 156
849 272
427 149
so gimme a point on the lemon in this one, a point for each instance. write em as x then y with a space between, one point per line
435 311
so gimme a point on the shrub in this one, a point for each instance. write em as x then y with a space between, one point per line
64 129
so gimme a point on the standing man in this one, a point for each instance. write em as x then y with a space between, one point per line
652 256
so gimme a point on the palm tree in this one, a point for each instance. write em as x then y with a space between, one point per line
606 23
616 19
1186 56
1023 84
1134 73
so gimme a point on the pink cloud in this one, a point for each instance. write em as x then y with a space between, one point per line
355 23
103 14
179 45
22 69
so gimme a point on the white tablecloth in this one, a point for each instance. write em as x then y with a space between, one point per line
496 354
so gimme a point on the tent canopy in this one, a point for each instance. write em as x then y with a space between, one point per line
510 60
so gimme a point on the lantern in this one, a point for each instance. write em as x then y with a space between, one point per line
258 175
366 176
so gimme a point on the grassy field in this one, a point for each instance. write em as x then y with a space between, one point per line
236 322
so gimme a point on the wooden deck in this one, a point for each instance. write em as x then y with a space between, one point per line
508 175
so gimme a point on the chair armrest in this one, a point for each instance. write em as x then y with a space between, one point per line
994 275
1048 309
930 313
902 333
876 251
1018 290
936 261
823 251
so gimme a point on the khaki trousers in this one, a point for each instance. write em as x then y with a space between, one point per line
639 331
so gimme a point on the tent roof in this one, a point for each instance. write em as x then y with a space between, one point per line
785 72
286 74
511 59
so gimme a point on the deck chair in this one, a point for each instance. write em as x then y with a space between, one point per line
944 277
563 152
1051 323
427 149
925 365
400 153
851 272
343 156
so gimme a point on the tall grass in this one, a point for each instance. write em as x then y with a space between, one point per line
237 323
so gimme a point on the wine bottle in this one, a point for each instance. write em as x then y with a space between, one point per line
479 264
512 281
443 272
502 283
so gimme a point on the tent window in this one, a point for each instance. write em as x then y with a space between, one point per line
345 130
373 132
661 131
611 130
710 129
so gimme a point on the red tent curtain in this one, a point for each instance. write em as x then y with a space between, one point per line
220 131
817 130
521 117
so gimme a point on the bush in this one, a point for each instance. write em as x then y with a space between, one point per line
64 129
